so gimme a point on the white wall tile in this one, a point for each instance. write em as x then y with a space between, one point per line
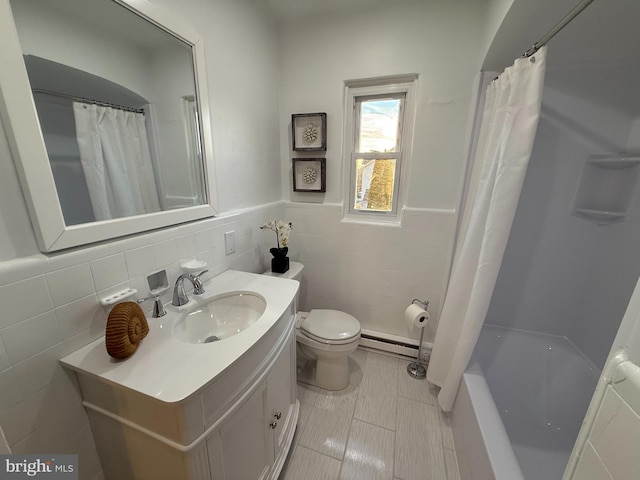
125 244
208 256
109 271
16 423
40 370
173 272
70 284
47 436
95 332
55 397
204 240
60 260
163 235
23 300
140 261
30 337
9 386
80 315
616 436
590 466
185 247
18 269
40 408
4 356
83 444
165 253
141 285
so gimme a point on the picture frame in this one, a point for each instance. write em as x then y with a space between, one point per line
309 175
309 132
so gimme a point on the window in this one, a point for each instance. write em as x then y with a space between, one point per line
378 132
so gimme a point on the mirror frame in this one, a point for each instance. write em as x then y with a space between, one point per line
18 112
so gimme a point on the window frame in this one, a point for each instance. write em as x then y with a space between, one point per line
362 90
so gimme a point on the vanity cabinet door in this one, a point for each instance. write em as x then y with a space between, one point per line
281 393
242 448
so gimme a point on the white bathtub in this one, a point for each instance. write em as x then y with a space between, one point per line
520 406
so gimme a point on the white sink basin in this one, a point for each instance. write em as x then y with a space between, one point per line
219 317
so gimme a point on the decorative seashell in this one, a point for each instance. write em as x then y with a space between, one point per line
309 175
126 327
310 133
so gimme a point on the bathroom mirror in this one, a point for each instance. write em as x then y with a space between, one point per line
106 110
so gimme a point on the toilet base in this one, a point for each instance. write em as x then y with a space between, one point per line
330 372
333 373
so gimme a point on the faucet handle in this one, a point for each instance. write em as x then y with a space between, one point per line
198 287
158 308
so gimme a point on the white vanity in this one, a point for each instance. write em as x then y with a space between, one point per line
225 410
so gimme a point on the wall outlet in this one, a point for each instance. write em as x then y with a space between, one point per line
230 242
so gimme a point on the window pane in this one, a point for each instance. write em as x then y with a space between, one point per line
374 185
379 125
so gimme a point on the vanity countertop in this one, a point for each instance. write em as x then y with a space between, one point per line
169 370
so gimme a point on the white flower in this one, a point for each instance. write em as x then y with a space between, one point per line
282 230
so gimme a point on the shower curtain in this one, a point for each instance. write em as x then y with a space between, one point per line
509 122
114 152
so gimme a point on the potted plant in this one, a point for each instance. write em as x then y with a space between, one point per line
282 229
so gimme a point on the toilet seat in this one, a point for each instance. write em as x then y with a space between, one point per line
331 327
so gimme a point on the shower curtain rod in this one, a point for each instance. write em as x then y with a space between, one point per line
87 100
575 11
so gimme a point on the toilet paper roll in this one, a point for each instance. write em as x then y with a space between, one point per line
415 316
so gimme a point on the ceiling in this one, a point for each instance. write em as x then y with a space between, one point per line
291 10
605 33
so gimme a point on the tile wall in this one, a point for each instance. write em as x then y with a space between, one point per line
372 271
50 307
610 449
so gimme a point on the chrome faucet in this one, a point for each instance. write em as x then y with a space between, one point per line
179 295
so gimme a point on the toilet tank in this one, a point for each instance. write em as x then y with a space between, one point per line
294 272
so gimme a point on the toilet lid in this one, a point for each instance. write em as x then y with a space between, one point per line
330 326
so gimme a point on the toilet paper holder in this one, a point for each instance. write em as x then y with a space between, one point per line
423 303
416 369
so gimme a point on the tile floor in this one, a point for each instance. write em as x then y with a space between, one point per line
384 425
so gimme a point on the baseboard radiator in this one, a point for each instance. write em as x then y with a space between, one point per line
393 344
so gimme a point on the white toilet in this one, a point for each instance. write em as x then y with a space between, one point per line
325 338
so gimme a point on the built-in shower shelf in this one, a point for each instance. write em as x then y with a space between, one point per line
601 217
606 187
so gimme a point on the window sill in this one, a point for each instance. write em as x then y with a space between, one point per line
376 221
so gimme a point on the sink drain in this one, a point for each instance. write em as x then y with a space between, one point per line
210 339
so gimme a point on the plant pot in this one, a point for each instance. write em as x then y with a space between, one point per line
279 252
279 264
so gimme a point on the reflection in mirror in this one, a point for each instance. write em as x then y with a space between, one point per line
116 100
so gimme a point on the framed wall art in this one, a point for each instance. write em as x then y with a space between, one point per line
309 132
309 175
